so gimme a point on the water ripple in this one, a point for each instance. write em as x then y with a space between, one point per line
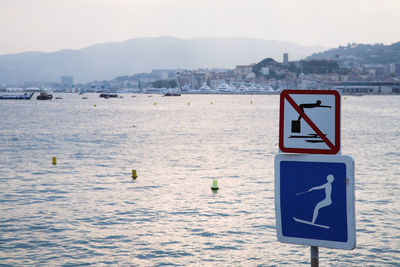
88 211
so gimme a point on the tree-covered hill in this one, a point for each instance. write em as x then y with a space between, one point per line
354 54
313 66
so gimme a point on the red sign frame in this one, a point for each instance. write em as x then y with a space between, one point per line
333 148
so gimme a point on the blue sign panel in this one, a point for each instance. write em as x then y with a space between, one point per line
314 197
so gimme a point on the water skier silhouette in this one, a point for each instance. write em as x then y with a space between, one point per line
324 203
328 192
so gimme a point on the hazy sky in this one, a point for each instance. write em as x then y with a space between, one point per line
50 25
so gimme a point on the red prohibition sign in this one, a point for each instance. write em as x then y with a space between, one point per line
333 148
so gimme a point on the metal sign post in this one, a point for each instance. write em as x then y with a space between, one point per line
314 257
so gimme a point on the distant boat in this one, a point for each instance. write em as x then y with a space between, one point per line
269 90
205 88
44 96
186 88
108 95
242 88
172 94
224 87
253 89
17 97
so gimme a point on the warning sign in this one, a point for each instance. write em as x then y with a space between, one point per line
309 121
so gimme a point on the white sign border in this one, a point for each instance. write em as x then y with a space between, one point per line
350 200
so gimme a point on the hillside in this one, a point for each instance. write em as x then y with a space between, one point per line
278 70
106 61
355 54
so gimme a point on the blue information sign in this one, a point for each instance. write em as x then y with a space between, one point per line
314 199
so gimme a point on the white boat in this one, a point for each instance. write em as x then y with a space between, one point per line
205 88
242 88
186 88
224 87
269 90
253 89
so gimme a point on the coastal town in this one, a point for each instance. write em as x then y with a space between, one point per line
265 77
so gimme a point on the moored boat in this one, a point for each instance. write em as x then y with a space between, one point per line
108 95
17 97
44 96
205 88
172 94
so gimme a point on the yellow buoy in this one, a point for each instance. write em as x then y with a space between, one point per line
134 174
214 185
155 103
211 103
95 105
54 160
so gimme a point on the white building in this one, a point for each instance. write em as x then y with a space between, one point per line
244 69
369 88
265 70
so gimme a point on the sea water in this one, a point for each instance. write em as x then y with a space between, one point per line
87 209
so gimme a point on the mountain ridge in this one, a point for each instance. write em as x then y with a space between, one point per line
108 60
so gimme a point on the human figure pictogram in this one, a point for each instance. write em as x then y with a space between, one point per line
296 123
327 200
324 203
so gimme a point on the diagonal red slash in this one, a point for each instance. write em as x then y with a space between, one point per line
308 120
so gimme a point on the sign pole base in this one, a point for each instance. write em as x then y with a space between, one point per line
314 257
